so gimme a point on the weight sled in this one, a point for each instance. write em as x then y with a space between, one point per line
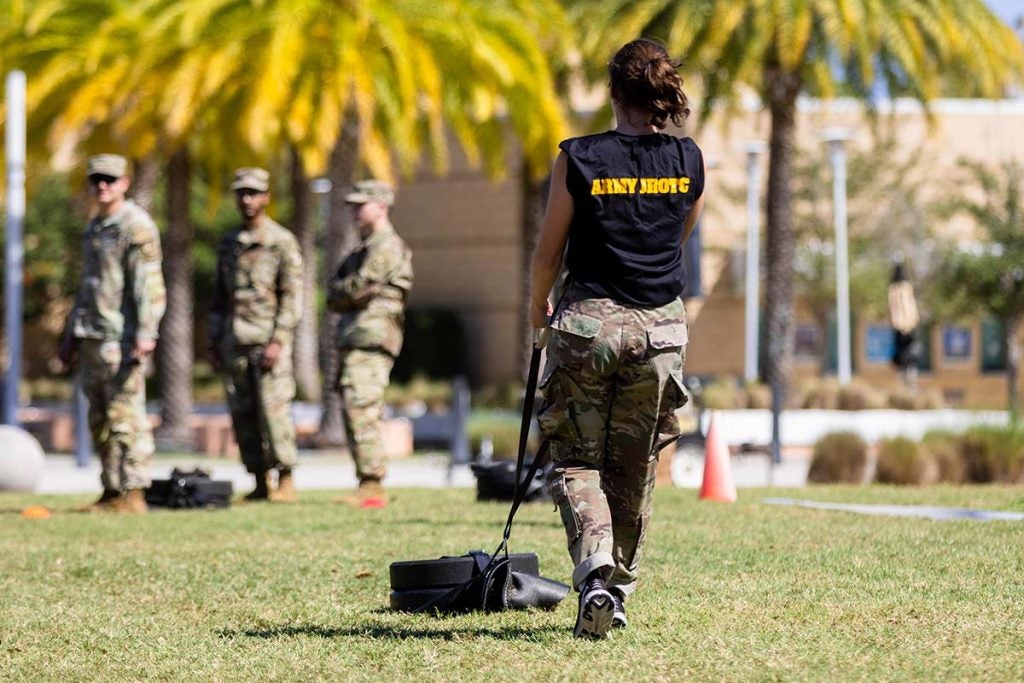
478 583
446 572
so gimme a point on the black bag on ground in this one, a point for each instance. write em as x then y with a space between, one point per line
189 489
496 480
473 582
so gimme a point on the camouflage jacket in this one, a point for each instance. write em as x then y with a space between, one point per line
121 295
370 290
257 296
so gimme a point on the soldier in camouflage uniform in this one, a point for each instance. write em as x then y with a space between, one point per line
112 330
370 291
622 203
257 302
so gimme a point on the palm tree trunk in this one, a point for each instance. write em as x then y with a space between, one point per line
307 365
175 353
147 174
782 88
534 196
339 240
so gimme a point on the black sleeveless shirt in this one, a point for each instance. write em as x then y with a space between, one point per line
631 195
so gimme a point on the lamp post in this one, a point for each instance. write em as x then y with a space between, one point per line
754 150
14 248
836 139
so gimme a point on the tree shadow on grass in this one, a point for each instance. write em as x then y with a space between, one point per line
390 632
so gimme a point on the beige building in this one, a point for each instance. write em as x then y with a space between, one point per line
466 233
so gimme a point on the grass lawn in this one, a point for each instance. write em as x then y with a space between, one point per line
730 592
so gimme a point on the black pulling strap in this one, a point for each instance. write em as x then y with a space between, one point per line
488 568
524 433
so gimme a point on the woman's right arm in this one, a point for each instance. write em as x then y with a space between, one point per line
554 233
698 208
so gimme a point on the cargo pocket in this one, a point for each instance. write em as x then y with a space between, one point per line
556 418
664 337
572 339
673 398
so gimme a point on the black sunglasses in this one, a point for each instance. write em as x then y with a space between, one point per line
98 178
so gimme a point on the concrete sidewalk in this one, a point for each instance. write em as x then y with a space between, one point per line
317 472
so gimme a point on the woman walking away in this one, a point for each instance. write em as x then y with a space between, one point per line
624 201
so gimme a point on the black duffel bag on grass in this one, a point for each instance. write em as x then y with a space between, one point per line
189 489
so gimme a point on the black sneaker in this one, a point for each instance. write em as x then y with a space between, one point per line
619 613
597 606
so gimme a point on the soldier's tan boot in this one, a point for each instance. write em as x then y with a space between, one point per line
369 496
262 490
105 503
285 492
132 502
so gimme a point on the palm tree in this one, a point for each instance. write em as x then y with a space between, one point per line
780 50
239 80
376 84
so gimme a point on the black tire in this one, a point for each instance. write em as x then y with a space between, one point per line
446 572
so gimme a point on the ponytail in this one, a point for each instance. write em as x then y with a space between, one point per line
643 76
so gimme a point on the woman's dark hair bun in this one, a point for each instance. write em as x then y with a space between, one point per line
643 76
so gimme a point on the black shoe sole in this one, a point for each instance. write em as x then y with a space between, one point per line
594 619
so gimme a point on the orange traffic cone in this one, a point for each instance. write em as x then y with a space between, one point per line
717 471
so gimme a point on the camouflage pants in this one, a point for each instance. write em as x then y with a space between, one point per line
611 386
362 378
262 415
116 390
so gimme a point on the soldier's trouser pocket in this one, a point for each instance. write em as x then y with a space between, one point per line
667 351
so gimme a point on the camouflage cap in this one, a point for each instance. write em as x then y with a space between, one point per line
371 191
251 179
113 165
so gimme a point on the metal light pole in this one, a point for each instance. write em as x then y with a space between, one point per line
754 150
836 138
14 249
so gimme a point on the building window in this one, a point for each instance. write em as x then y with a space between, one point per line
993 345
879 344
807 342
956 343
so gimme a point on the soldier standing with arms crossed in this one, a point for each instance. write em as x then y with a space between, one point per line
257 302
370 291
112 330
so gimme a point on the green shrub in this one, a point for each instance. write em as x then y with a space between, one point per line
819 394
993 454
502 395
722 393
48 389
900 461
502 428
435 394
943 448
903 399
859 396
758 395
839 458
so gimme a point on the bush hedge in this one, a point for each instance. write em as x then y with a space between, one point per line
900 461
983 454
839 458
